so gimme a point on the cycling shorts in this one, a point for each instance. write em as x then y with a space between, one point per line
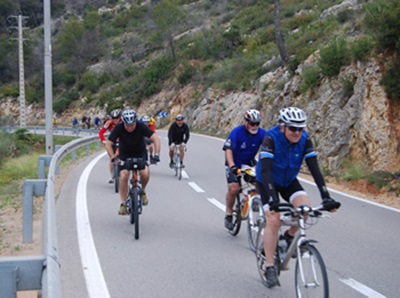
285 192
230 177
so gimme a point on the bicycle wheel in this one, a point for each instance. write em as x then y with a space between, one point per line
236 217
253 223
116 177
129 207
136 203
260 255
180 171
311 278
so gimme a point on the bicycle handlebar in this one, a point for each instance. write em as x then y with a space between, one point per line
312 211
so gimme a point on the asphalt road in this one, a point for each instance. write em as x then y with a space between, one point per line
184 250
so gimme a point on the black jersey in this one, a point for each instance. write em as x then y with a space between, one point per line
131 144
178 134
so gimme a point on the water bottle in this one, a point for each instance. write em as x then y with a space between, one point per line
245 206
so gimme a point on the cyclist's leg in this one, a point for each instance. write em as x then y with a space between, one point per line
295 195
182 152
123 183
271 236
171 154
233 189
145 177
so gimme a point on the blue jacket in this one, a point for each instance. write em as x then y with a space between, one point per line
287 157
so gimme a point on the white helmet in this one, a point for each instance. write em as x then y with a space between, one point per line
115 114
129 116
252 115
293 116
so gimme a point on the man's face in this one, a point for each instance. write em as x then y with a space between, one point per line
292 134
130 127
115 120
252 127
179 122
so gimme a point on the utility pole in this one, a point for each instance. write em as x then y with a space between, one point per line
48 77
22 110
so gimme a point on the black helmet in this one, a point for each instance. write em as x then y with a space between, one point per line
115 114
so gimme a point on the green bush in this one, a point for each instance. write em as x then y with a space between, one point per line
187 74
309 78
361 48
391 79
11 90
333 57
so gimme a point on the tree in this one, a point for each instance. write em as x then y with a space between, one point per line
168 18
278 34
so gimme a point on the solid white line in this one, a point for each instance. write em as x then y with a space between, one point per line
95 282
354 197
217 203
363 289
185 175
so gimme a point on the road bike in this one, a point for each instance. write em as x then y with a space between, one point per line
177 161
311 278
246 178
134 199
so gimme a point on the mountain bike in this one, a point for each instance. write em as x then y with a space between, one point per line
243 200
134 200
311 278
177 161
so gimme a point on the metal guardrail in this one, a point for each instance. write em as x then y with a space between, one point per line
41 272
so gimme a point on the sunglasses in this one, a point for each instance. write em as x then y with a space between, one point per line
254 123
293 129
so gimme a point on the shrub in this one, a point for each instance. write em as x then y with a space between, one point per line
309 78
187 74
361 48
333 57
391 79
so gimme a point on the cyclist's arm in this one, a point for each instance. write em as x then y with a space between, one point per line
101 134
312 164
187 134
109 148
170 134
157 144
268 180
229 157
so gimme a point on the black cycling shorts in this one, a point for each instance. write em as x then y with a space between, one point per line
285 192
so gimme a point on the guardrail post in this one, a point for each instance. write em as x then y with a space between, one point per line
57 147
31 187
44 161
87 150
8 281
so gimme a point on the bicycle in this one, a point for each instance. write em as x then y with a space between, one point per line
243 200
134 200
311 278
177 162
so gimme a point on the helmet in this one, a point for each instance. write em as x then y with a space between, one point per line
129 116
252 115
293 116
179 117
115 113
145 118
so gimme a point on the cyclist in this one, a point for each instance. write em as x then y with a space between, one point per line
282 152
147 120
109 126
241 148
131 134
178 135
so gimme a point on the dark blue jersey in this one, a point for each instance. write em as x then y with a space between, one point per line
244 145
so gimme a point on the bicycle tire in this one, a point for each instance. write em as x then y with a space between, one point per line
236 217
180 171
136 210
260 256
129 207
253 223
314 272
116 177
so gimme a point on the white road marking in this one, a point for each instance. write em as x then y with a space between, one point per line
185 175
217 203
196 187
95 282
363 289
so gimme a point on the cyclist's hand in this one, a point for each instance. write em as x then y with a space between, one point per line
104 142
115 160
155 159
234 169
330 204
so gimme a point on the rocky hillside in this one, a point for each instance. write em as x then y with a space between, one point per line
351 118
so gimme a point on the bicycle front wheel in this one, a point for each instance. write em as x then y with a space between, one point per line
253 222
135 212
236 217
311 278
